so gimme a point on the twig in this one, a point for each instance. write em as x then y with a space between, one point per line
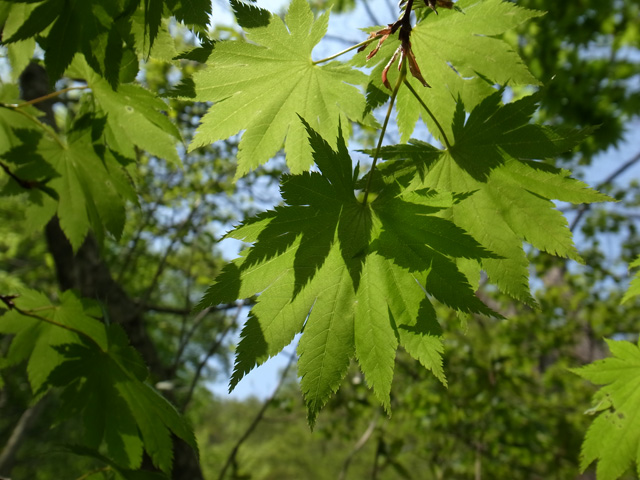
44 97
346 50
624 167
357 447
403 72
206 358
163 261
232 456
10 304
26 184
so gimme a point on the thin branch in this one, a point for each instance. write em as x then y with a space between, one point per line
44 97
206 358
49 130
623 168
8 301
357 447
26 184
232 456
163 261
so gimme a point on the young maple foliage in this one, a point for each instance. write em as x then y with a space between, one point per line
490 156
614 436
261 87
351 275
102 30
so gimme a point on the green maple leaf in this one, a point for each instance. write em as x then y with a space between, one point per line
106 387
491 156
35 338
134 116
460 56
259 87
102 30
634 287
67 26
102 377
91 185
351 277
613 439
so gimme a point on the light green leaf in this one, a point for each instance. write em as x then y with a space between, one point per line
634 287
85 185
261 87
351 277
613 439
134 116
512 195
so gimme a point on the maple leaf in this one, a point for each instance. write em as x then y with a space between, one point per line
106 388
35 337
634 287
70 27
459 56
259 87
351 277
134 116
91 185
102 376
491 156
613 439
99 29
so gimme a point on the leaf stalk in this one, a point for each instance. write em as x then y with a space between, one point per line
347 50
401 79
433 117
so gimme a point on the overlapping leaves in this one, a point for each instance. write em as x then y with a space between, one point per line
134 116
491 156
461 57
351 276
102 30
260 87
102 377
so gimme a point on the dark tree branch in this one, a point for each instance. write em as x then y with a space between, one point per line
208 355
623 168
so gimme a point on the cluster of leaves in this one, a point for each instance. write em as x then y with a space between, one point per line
101 377
352 275
355 261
